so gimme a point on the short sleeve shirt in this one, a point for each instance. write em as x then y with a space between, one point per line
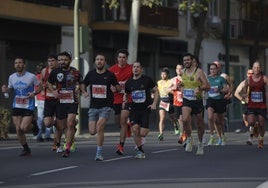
100 88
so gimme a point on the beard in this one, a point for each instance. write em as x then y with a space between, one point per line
99 67
188 65
19 69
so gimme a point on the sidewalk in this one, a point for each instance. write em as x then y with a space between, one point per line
113 130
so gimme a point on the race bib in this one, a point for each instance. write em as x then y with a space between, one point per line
189 94
164 105
214 91
22 102
138 96
99 91
66 96
256 96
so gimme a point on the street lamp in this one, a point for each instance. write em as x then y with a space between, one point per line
76 51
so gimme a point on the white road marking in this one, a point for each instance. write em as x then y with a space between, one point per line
167 150
118 158
7 148
54 170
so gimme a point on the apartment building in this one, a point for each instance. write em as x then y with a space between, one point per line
36 28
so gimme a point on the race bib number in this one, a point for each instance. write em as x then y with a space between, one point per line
214 91
189 94
22 102
66 96
99 91
164 105
138 96
256 97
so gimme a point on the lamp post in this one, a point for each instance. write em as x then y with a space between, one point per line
76 51
227 37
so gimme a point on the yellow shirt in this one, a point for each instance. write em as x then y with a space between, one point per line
163 85
190 83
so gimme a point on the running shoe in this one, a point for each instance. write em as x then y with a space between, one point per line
189 144
59 150
200 149
120 149
54 147
140 155
260 145
73 147
182 138
211 140
249 142
66 153
176 131
98 157
25 153
64 144
160 137
223 143
219 143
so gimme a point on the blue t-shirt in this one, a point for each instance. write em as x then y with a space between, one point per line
22 85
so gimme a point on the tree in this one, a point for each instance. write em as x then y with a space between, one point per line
259 30
134 23
198 10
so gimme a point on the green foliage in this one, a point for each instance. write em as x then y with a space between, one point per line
194 7
149 3
112 3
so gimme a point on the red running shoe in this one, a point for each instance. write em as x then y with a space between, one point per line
66 153
120 150
260 145
183 138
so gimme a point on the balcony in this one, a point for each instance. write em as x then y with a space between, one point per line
245 31
48 12
69 4
162 21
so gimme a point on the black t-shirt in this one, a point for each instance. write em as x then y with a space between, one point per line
140 91
66 80
100 88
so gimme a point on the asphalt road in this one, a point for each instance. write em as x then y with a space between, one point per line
235 165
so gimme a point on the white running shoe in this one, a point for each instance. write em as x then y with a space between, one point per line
189 144
200 149
211 140
59 150
140 155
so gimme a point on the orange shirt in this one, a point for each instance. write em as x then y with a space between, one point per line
122 74
177 93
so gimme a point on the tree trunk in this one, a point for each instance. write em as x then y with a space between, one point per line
259 29
133 31
200 33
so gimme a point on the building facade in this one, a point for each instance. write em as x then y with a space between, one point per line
36 28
